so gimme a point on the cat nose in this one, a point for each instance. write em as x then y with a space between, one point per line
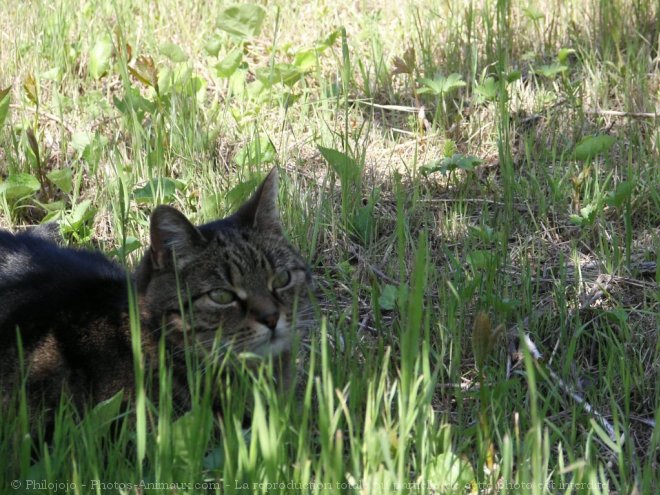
268 319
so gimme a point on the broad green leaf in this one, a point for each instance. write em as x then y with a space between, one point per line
330 40
305 60
243 21
99 57
256 152
255 90
80 141
228 65
621 194
174 52
588 213
198 87
448 473
514 75
18 186
454 162
133 100
442 85
617 315
79 215
92 153
287 74
480 259
593 145
215 459
343 165
181 77
487 90
54 215
564 54
210 205
62 178
484 233
466 162
506 305
213 46
54 74
185 81
529 56
105 412
4 104
430 86
363 222
239 193
54 211
453 81
533 14
374 481
131 244
159 188
551 70
577 219
53 206
165 79
388 297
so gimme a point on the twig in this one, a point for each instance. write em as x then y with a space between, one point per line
363 323
462 200
520 207
401 131
570 390
373 268
644 421
395 108
617 113
600 287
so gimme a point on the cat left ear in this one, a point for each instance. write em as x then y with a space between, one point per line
173 237
260 211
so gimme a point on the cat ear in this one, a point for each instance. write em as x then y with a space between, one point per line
260 211
172 234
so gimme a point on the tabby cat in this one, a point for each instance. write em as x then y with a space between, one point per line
237 279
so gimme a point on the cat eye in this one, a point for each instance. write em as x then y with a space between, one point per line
281 279
222 296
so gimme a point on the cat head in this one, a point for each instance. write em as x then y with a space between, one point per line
238 276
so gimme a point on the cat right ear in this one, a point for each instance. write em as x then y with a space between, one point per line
173 237
260 211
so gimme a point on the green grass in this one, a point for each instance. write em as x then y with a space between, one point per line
420 199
